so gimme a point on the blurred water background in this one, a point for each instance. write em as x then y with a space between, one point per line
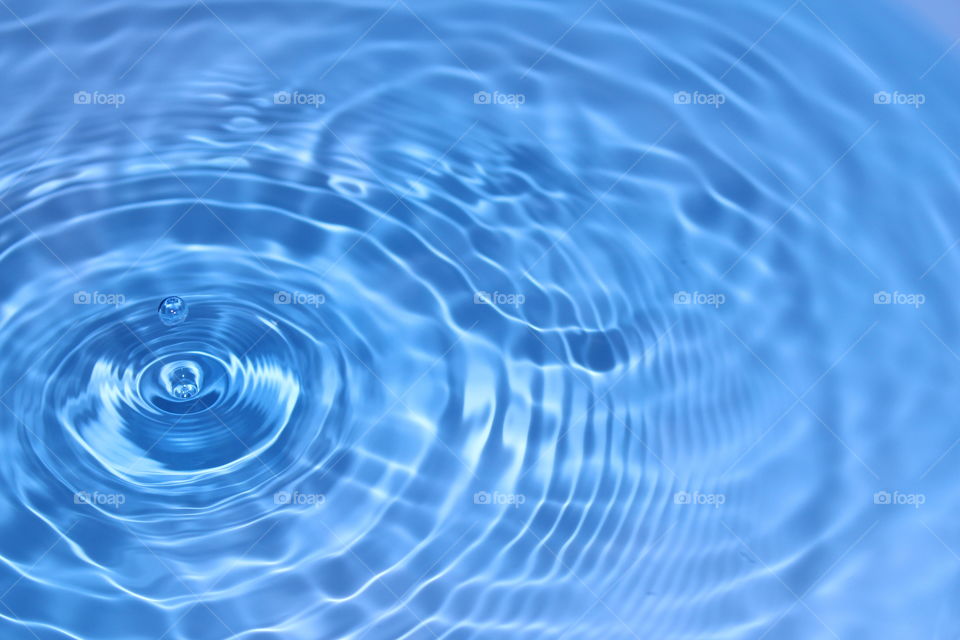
506 320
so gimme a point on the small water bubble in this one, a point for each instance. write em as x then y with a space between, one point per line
172 311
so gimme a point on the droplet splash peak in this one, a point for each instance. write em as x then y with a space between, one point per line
182 379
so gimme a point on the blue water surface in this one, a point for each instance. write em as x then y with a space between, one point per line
521 320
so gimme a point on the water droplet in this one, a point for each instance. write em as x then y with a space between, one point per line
181 379
172 311
185 390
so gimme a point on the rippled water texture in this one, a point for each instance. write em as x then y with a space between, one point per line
510 320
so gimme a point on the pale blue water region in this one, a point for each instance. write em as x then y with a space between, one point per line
528 320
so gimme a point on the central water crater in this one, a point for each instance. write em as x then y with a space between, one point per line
184 383
182 379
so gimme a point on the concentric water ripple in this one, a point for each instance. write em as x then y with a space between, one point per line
503 321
